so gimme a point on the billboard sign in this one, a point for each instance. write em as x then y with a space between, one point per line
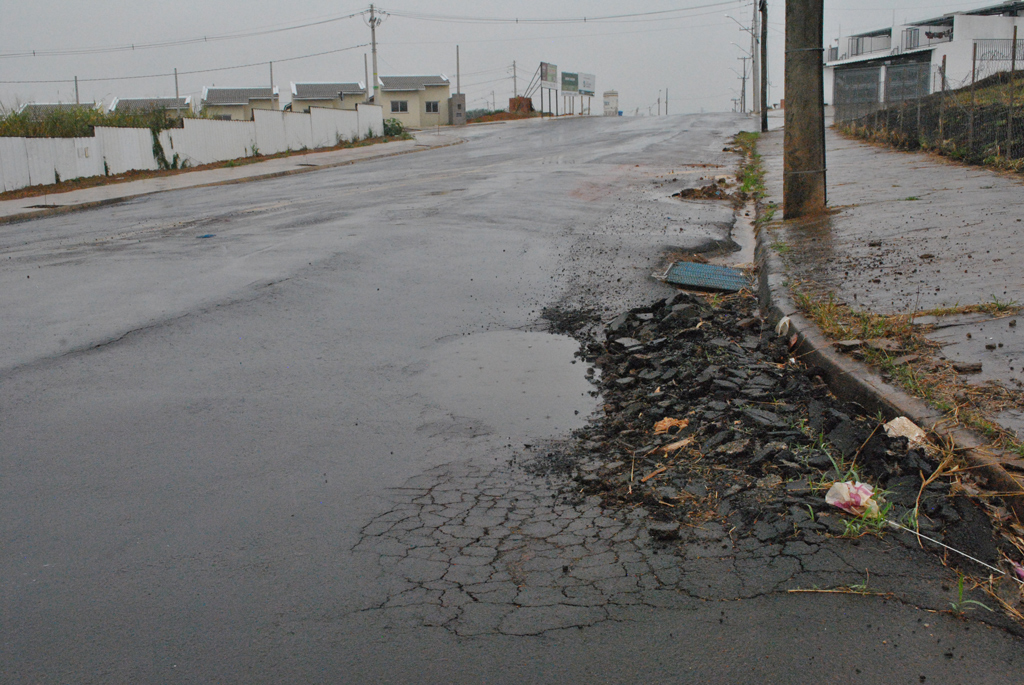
570 82
548 76
587 84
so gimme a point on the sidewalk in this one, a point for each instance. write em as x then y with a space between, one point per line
30 207
908 233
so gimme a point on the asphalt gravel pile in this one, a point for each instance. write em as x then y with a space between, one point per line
707 417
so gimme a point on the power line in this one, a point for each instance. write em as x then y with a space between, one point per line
572 35
195 71
172 43
656 15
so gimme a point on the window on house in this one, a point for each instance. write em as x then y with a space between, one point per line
433 108
399 106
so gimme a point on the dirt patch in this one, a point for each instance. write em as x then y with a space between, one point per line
713 191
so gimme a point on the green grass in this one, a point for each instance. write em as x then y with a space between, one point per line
960 606
751 175
79 122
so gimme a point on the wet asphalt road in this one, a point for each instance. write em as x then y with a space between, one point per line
279 453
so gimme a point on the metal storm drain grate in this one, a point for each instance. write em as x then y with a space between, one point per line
706 277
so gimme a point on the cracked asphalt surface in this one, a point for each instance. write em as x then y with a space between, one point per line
235 458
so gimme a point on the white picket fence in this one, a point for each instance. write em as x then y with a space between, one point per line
38 161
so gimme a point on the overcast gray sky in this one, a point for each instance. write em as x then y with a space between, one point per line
690 53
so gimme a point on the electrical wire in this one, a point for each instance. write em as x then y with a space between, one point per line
172 43
195 71
565 36
656 15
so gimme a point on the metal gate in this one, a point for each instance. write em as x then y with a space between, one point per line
907 81
856 92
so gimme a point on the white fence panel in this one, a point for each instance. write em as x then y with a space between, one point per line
371 119
270 133
64 162
88 158
298 133
125 149
205 141
40 161
332 125
13 164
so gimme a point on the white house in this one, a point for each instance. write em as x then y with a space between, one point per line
907 61
238 103
416 101
37 111
329 95
170 104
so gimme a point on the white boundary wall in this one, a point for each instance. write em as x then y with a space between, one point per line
125 149
204 141
332 125
37 161
371 118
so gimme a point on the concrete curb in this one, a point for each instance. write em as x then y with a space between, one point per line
29 216
857 382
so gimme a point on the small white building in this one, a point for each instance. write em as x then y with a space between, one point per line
37 111
237 104
863 71
329 95
169 104
416 101
611 103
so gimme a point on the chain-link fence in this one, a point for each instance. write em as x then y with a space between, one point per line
979 120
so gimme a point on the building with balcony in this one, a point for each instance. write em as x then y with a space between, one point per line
864 71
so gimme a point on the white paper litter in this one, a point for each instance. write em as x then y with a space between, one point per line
902 427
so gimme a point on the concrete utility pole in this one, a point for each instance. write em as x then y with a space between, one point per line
755 81
743 86
803 181
177 98
366 70
1013 68
271 77
515 81
764 65
374 23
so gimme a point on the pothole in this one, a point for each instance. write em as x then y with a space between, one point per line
523 384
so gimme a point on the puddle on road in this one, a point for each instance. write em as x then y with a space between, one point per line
522 384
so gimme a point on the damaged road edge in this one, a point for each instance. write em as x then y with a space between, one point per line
856 382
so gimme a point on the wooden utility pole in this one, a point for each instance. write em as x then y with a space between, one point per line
803 183
764 65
